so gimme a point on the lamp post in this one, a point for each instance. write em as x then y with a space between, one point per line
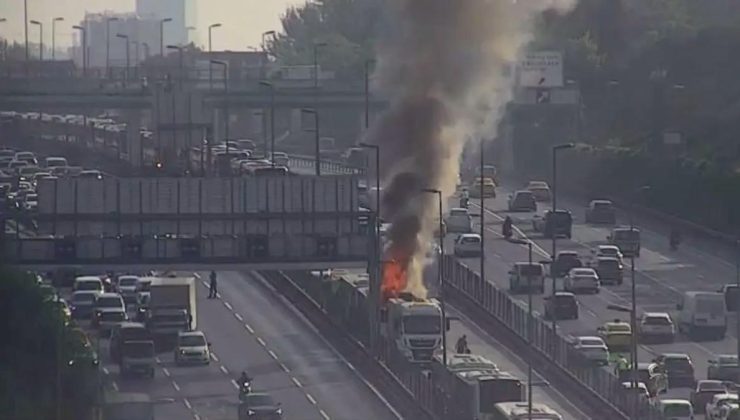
181 64
147 50
530 334
482 215
316 47
187 31
25 29
316 131
272 120
137 55
440 273
210 50
83 31
161 34
264 50
737 290
226 106
107 44
53 37
555 150
128 56
41 38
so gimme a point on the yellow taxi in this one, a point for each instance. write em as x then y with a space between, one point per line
617 335
488 189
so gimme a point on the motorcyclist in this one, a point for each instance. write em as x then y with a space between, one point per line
244 380
507 227
462 345
465 198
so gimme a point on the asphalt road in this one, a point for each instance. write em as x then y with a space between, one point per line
662 277
254 329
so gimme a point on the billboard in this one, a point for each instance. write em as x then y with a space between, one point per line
543 69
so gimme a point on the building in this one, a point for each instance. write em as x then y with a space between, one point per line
143 38
182 13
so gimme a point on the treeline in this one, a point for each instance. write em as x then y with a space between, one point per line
37 343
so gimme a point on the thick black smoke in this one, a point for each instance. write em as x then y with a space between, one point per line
441 63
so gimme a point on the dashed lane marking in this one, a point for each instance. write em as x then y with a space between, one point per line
261 341
115 386
224 370
196 416
106 371
187 403
166 372
233 382
176 386
324 415
296 382
249 328
272 354
239 317
227 305
284 368
311 398
214 357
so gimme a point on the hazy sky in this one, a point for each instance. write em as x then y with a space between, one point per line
243 20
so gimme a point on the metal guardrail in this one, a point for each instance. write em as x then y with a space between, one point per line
553 349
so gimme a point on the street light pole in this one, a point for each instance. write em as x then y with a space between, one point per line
53 37
272 120
441 273
83 31
107 44
379 246
41 38
210 51
25 27
530 337
161 34
264 51
555 150
128 57
737 290
181 62
482 216
317 150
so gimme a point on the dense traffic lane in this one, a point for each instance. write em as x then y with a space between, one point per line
255 329
661 278
483 344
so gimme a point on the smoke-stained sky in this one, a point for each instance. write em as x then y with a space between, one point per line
243 20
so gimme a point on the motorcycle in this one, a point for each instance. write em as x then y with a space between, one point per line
245 388
507 231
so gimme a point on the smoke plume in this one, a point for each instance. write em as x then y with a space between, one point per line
442 64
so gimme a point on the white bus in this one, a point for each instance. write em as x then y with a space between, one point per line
520 411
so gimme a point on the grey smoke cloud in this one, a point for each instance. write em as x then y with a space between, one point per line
441 62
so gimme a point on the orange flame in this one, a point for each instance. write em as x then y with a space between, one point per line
394 274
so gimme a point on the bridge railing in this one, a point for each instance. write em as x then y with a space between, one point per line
551 347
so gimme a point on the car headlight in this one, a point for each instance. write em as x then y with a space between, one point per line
279 411
251 413
182 351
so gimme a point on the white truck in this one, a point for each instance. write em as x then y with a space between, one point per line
415 325
171 306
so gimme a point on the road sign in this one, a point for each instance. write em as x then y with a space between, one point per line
541 69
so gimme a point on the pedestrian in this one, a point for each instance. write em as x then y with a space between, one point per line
213 289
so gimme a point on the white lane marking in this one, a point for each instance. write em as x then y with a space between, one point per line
272 354
115 386
196 416
187 403
261 341
224 370
311 398
233 382
324 415
284 368
196 275
296 381
350 366
239 317
166 372
228 305
176 386
214 357
218 295
326 342
249 328
105 370
158 360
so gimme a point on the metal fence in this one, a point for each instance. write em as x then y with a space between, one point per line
553 346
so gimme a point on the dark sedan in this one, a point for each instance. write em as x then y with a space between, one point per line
260 406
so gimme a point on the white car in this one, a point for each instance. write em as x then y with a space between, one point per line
468 245
459 221
593 348
676 409
126 286
280 158
641 390
657 325
611 251
582 279
540 189
192 347
720 406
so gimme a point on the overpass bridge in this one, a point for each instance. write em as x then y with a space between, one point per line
257 223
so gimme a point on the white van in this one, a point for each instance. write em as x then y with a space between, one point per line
88 283
518 281
702 314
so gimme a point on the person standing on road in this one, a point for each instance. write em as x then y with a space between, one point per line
213 287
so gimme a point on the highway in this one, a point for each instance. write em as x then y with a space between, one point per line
662 276
253 328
